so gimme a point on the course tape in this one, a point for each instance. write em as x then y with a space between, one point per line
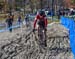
6 29
70 24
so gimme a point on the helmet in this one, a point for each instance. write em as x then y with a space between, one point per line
42 13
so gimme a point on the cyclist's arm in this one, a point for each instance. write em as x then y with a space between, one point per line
46 22
35 20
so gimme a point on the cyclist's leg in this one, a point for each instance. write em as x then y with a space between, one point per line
40 40
40 36
45 38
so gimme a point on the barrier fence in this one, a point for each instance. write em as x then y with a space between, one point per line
70 24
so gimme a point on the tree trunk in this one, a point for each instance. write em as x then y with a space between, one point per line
31 6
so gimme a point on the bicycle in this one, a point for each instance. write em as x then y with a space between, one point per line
42 36
41 39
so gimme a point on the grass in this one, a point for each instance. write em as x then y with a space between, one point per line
50 21
3 16
55 19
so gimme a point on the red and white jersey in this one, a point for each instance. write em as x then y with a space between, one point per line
38 17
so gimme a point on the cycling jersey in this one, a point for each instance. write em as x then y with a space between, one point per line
41 20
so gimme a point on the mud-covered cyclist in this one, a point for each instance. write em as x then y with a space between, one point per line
41 21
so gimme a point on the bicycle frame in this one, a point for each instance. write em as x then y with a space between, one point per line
42 35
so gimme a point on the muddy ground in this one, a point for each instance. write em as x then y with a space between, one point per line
23 44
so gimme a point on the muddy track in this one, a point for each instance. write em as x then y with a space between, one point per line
13 48
26 46
29 47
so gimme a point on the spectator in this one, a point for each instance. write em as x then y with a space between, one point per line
19 20
72 13
9 22
27 20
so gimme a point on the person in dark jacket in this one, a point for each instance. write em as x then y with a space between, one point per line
19 20
27 20
9 22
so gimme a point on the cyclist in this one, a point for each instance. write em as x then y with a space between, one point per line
41 21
